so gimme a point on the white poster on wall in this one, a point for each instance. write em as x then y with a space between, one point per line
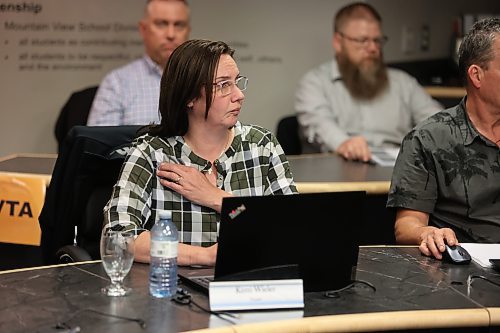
51 48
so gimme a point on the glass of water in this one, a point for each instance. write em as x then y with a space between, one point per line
117 254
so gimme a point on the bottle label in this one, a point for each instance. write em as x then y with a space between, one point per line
164 249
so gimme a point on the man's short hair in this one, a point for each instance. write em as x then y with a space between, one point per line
356 10
185 1
149 1
477 46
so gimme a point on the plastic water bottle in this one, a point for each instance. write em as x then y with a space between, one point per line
163 267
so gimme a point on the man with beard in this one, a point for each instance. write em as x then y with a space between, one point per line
129 95
354 102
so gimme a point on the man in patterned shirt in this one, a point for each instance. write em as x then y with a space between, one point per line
198 154
446 182
129 95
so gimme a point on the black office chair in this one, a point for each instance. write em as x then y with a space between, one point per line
84 173
74 112
288 136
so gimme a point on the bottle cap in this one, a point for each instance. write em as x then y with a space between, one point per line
165 214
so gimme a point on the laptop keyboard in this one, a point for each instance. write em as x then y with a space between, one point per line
203 280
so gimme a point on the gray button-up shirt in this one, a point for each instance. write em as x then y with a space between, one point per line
329 115
448 169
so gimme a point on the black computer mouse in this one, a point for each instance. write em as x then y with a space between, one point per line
456 254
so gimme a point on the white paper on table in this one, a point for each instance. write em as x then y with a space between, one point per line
482 253
384 156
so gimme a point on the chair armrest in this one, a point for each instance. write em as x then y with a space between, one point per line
72 253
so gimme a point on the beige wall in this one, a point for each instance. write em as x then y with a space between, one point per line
276 42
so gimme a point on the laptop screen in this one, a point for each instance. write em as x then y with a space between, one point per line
314 231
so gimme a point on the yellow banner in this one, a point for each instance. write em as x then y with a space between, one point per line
21 201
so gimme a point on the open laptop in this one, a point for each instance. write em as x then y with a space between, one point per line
310 236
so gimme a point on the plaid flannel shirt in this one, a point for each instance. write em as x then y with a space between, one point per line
253 165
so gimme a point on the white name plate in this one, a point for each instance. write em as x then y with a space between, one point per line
258 294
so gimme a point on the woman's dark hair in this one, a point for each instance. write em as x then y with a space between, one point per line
190 68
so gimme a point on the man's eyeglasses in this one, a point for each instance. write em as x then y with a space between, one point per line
365 41
226 87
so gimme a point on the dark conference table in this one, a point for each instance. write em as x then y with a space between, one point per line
412 292
312 173
330 173
36 165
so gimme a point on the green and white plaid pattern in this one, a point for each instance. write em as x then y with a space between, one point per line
253 165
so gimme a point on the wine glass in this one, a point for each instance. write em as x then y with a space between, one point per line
117 254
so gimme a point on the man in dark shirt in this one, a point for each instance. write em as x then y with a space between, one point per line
446 182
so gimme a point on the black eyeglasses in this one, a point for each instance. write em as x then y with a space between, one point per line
364 42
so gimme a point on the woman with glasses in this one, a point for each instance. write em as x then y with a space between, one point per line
198 154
